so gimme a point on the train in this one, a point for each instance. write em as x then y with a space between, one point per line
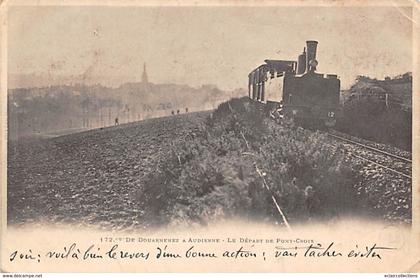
295 90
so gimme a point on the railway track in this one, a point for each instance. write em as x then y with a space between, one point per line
392 162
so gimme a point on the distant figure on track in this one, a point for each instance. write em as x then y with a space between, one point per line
116 121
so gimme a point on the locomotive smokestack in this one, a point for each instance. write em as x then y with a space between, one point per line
311 62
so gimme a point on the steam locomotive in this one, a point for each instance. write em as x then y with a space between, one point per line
296 90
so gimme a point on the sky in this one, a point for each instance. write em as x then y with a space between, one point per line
204 45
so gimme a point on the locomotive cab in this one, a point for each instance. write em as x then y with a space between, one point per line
312 97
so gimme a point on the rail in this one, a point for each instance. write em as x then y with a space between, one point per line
376 150
370 148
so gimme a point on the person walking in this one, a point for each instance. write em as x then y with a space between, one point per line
312 202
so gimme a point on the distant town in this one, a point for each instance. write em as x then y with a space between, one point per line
69 108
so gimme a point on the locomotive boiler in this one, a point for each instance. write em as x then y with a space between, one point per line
297 89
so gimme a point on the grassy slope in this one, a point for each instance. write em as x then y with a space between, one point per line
193 169
90 177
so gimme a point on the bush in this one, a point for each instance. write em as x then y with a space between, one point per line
372 120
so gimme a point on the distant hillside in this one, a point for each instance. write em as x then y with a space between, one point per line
380 110
395 91
56 108
32 80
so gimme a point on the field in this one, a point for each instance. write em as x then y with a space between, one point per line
90 177
195 168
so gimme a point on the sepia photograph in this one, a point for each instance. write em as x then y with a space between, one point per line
278 126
